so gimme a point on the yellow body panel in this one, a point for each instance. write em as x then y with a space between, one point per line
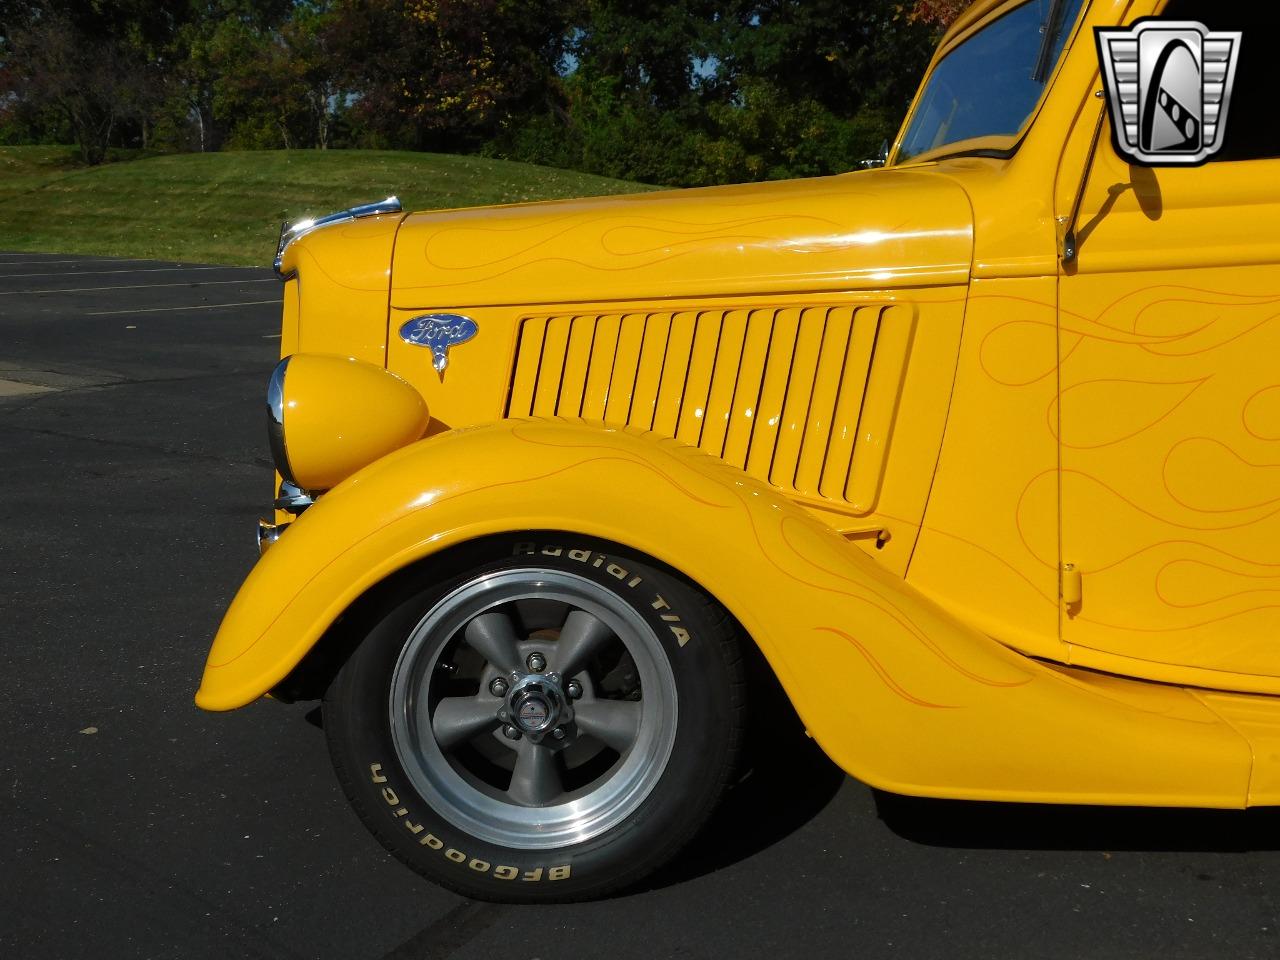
988 550
877 418
884 228
894 688
342 286
1168 418
803 354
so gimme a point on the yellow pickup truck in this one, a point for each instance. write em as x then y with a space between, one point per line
978 451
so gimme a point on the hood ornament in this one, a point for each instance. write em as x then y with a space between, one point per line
439 331
290 233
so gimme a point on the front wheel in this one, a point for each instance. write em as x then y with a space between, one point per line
539 720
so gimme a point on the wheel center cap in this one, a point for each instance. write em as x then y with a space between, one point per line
535 705
533 713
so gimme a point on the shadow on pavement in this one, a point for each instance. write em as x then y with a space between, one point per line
1034 826
786 781
779 795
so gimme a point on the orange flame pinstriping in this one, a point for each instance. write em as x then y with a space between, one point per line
883 674
402 519
1213 441
1161 593
885 606
699 232
1102 568
1223 298
1244 413
1051 410
524 438
1165 520
1047 598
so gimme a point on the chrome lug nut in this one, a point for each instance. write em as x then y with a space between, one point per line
510 732
574 690
498 687
537 662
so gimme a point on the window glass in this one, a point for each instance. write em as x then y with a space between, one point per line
987 86
1253 131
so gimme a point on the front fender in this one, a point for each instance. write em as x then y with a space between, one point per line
897 692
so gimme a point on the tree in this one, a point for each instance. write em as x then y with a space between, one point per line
446 74
632 95
94 83
310 36
709 91
104 67
650 49
940 13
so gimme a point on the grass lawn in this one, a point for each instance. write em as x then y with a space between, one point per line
227 207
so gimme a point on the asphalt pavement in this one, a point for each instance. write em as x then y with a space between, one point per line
133 464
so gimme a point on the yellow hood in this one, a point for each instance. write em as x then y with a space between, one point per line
870 230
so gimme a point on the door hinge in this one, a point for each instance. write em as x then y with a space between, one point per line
1072 587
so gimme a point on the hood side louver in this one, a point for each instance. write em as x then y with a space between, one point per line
802 397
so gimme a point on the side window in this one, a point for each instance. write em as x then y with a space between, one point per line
1253 132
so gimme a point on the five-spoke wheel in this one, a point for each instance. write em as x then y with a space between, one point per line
546 716
528 722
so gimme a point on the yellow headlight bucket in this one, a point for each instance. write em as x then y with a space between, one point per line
330 416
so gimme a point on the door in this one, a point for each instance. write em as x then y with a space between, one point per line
1168 409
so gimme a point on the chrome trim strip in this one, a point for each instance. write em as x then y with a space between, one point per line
275 420
290 233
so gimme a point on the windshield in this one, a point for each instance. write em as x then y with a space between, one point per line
988 85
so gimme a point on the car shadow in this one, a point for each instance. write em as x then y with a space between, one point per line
786 787
791 781
1035 826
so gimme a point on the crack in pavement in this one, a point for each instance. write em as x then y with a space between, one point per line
7 410
142 447
446 936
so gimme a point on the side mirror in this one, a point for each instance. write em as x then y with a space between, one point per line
879 160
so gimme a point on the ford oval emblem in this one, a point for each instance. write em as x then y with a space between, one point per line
439 331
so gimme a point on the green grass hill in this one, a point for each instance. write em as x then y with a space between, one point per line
227 207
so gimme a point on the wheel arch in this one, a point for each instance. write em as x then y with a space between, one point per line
895 689
311 593
312 675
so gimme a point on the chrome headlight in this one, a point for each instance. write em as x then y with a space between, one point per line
328 416
275 420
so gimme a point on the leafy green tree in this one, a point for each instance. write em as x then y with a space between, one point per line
447 74
632 99
650 49
311 38
709 91
665 91
819 83
95 82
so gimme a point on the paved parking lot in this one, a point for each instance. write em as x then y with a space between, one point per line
132 467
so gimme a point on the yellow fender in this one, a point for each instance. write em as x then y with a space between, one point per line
896 691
